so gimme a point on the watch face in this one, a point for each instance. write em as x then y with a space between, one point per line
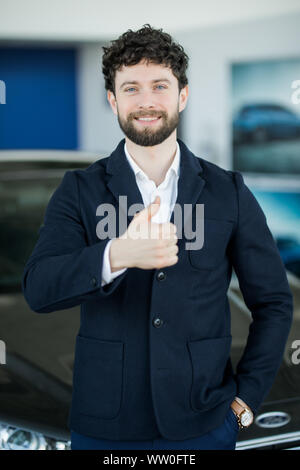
246 418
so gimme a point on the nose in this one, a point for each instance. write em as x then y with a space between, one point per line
146 100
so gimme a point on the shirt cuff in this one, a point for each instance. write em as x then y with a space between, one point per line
107 275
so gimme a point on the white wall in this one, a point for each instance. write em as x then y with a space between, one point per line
87 20
98 127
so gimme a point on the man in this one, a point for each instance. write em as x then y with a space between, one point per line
152 363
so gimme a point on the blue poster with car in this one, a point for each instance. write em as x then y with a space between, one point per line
266 116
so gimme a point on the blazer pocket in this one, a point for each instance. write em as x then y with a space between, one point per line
98 377
212 380
216 236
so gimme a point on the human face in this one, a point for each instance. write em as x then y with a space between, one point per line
147 91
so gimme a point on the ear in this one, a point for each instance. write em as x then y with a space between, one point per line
183 97
112 101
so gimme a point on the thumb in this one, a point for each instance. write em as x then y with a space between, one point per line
149 211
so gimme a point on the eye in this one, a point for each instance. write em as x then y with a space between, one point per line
131 88
161 86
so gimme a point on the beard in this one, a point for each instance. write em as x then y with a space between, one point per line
149 136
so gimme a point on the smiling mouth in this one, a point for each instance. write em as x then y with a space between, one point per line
148 120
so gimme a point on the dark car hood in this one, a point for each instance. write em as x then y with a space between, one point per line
284 396
36 381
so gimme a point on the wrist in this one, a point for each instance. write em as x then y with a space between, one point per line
118 255
237 408
241 403
243 413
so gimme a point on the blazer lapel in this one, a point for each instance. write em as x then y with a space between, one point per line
190 184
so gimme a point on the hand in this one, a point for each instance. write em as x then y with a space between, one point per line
145 244
244 418
238 405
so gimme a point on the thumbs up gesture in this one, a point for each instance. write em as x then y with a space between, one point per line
145 244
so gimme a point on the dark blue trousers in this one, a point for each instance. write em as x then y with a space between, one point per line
222 438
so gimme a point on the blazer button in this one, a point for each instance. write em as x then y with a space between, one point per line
94 281
161 276
157 322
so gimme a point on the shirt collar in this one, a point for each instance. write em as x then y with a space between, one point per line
174 166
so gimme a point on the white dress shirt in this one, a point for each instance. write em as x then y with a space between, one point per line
167 191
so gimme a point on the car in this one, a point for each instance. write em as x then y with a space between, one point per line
37 352
36 380
290 252
263 122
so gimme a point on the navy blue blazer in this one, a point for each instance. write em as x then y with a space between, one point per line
152 353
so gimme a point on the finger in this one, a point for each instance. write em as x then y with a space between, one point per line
148 211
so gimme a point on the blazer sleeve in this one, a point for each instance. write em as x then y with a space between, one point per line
63 270
264 285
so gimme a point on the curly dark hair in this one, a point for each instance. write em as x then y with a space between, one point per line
149 44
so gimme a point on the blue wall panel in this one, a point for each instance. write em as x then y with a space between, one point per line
41 108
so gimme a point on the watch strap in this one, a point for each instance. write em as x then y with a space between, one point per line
241 407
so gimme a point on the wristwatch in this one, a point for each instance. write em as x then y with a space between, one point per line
243 414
